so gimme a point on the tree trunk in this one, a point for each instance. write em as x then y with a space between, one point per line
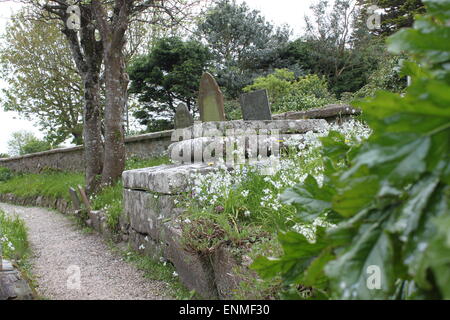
116 83
87 53
93 144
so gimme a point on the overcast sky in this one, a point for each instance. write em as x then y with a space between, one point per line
291 12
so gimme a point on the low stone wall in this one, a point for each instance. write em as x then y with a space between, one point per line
72 159
151 226
12 285
61 205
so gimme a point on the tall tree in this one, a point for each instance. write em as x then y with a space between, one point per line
336 48
96 32
25 142
395 14
243 42
42 80
169 74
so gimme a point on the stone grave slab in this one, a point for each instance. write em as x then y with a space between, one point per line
75 200
210 99
255 105
84 198
183 118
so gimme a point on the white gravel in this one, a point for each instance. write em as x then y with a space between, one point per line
59 248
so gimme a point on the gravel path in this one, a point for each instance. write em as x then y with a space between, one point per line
60 249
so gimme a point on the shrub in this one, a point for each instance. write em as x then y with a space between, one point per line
278 84
390 196
5 174
288 94
13 237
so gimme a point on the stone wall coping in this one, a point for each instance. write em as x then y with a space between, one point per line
138 138
329 111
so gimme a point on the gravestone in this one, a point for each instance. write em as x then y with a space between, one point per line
85 199
75 200
183 118
210 100
255 105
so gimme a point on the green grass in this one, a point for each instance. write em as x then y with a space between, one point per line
51 184
156 270
14 240
15 246
55 185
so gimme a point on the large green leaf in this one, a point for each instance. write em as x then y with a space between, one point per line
310 199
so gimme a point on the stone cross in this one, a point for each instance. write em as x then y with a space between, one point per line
210 100
75 200
255 105
85 199
183 118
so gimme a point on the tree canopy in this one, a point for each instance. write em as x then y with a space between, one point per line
168 75
243 43
43 82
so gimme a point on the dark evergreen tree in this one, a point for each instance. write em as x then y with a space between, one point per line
168 75
243 43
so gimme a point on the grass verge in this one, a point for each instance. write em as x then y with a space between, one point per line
156 270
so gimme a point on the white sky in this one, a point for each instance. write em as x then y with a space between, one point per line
278 12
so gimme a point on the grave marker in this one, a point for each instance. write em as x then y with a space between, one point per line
85 199
210 100
255 105
75 200
183 118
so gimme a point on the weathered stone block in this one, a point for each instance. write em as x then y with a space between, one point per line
166 179
241 127
328 112
224 266
195 271
143 244
12 286
146 212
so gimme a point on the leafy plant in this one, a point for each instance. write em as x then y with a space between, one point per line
13 237
5 174
287 93
391 195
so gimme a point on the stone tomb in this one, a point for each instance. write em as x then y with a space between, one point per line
150 220
255 105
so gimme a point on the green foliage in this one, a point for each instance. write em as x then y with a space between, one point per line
13 238
54 185
386 77
43 84
233 110
396 14
308 92
278 84
24 142
287 93
391 195
5 174
169 74
243 43
4 155
338 45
